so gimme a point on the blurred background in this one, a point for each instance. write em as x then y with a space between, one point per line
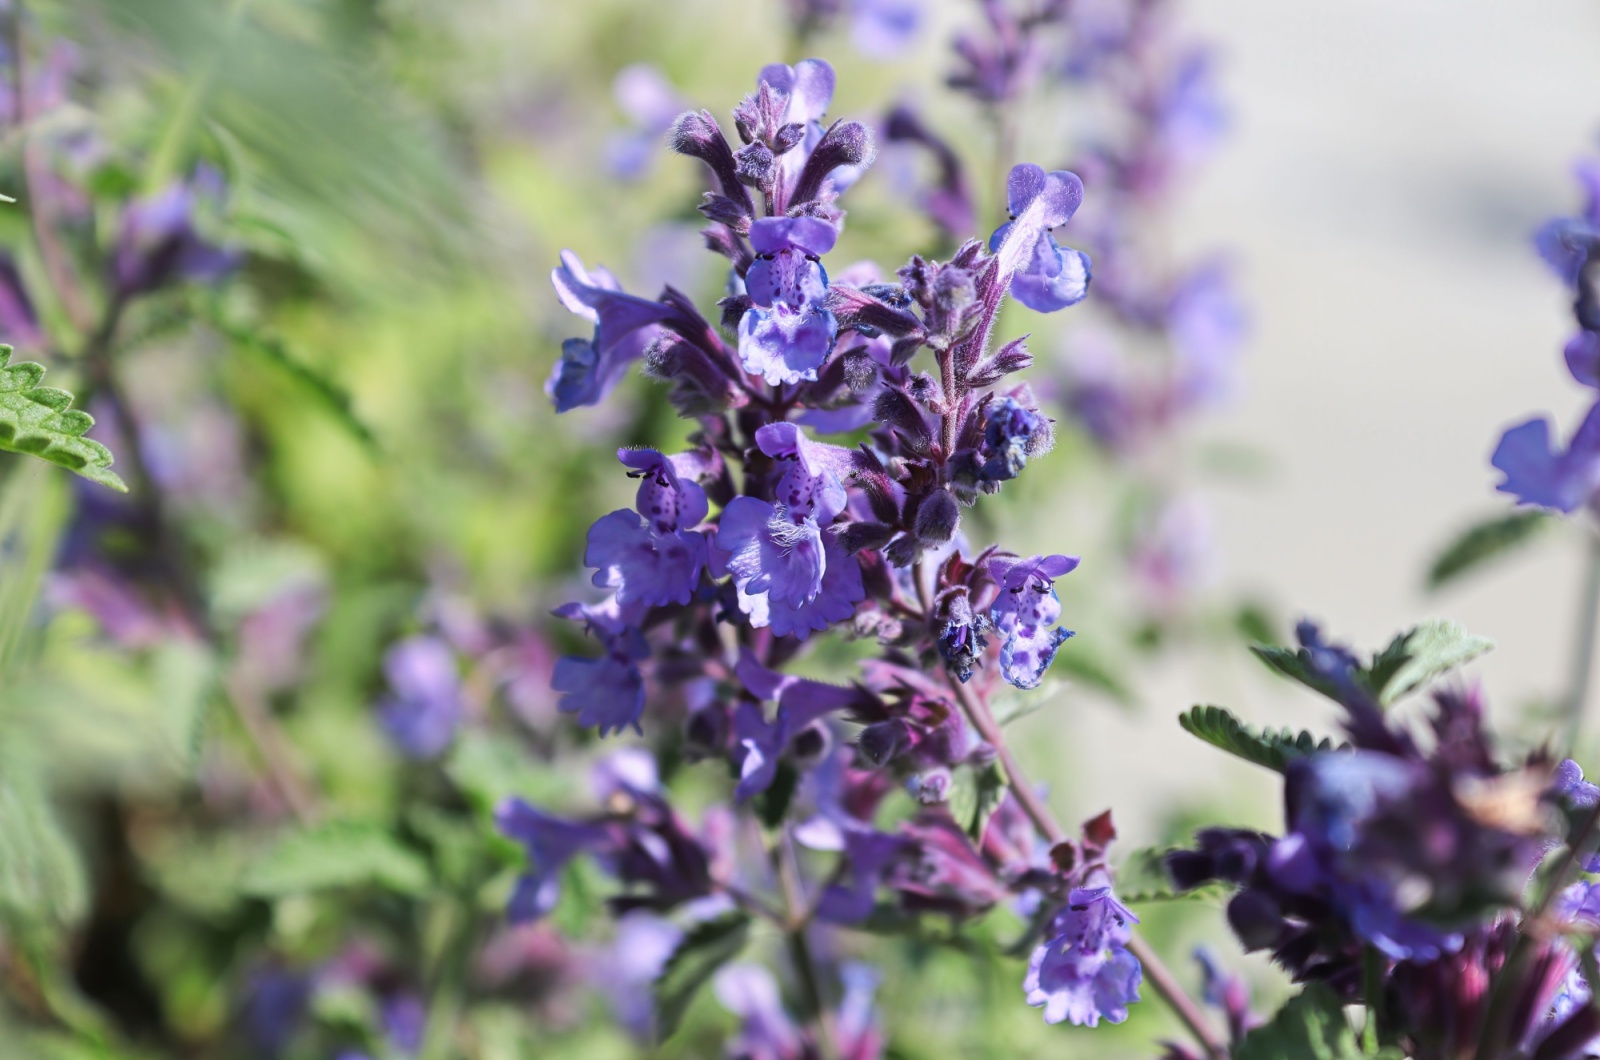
350 444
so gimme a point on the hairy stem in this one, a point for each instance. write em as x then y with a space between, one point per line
1156 973
1588 625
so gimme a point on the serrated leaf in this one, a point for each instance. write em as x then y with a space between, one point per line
705 948
42 883
1417 657
330 395
975 794
335 854
1484 542
1218 727
1310 1026
185 674
1142 878
40 422
1296 666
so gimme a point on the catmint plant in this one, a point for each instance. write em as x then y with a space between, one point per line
763 537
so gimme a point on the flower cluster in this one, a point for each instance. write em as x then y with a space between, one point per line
762 535
1536 471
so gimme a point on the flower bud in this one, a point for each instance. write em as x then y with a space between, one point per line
938 516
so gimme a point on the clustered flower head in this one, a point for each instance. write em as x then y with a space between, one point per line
762 535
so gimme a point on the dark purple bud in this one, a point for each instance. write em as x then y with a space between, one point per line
1012 357
723 241
698 136
787 137
857 307
954 289
699 386
905 349
894 407
881 742
858 536
734 307
1256 918
755 165
902 551
846 143
937 518
859 369
724 210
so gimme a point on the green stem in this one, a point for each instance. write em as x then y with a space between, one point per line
448 978
799 946
1588 625
1373 968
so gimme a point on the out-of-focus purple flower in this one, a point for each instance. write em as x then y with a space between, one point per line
623 327
1025 612
869 854
760 743
275 1005
607 692
1172 552
650 103
1227 992
884 29
789 330
948 201
860 1037
550 842
630 964
790 571
1567 244
1085 972
423 710
159 245
1048 277
651 556
1536 474
1206 324
19 323
405 1021
765 1030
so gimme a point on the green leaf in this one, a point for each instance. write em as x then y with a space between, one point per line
1412 660
185 675
1012 705
708 946
773 803
1485 542
331 396
42 883
41 421
1218 727
1142 878
975 794
335 854
1418 656
1310 1026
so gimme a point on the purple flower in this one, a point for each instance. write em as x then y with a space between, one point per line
405 1021
1025 612
790 572
1566 244
789 331
642 945
1536 474
808 87
423 710
860 1037
650 556
550 842
158 244
1085 972
883 29
765 1030
1207 326
651 104
961 638
589 368
760 743
275 1005
869 854
1047 277
607 692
